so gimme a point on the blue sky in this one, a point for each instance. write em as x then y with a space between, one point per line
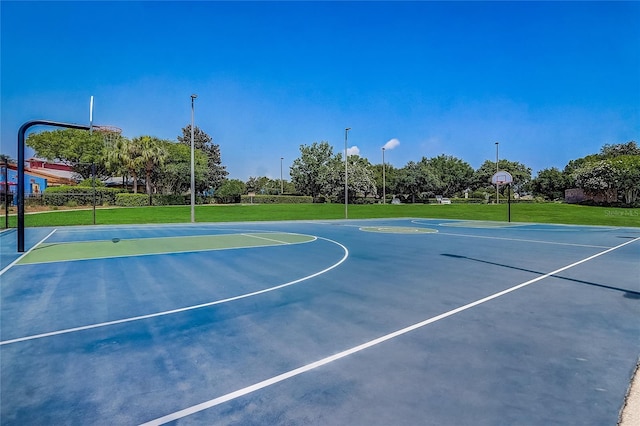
550 81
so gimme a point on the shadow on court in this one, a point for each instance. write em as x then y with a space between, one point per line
629 294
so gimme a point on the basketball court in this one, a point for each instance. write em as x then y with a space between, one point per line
362 322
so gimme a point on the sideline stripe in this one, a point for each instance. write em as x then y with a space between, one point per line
292 373
188 308
267 239
520 240
25 254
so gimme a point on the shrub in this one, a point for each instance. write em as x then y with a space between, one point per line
276 199
132 200
32 199
82 196
170 200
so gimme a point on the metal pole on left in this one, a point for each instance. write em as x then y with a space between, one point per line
384 183
21 133
346 174
6 192
281 181
193 170
497 170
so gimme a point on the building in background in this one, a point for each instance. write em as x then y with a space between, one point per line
38 176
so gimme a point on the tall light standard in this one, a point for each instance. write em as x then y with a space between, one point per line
281 181
497 170
346 190
193 170
384 185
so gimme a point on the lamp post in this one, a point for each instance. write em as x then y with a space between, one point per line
193 170
281 181
346 190
497 170
384 185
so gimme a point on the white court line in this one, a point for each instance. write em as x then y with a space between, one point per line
274 240
292 373
520 240
188 308
9 266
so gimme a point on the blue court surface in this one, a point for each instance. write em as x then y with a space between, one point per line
354 322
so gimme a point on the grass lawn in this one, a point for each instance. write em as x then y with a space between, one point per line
538 213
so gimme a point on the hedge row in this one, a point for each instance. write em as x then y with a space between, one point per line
81 196
276 199
132 200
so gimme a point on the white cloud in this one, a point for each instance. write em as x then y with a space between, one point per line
354 150
391 144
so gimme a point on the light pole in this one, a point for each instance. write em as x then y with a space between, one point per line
384 185
281 181
193 170
346 190
497 170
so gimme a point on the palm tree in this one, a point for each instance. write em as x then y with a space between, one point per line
132 156
150 153
121 157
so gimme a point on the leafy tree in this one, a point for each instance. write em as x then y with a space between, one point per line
415 179
621 173
360 179
307 171
572 166
550 183
360 176
388 185
627 170
616 167
616 150
482 177
263 185
74 147
452 174
596 177
216 172
230 191
174 176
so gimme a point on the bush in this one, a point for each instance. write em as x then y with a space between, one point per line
82 196
31 199
170 200
132 200
276 199
365 200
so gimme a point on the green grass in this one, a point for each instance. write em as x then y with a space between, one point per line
538 213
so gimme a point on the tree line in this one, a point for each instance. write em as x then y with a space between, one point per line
613 173
163 167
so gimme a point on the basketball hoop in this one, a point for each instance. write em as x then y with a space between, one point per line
501 178
110 134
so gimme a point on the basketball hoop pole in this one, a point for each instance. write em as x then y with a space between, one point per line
20 166
509 202
497 170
